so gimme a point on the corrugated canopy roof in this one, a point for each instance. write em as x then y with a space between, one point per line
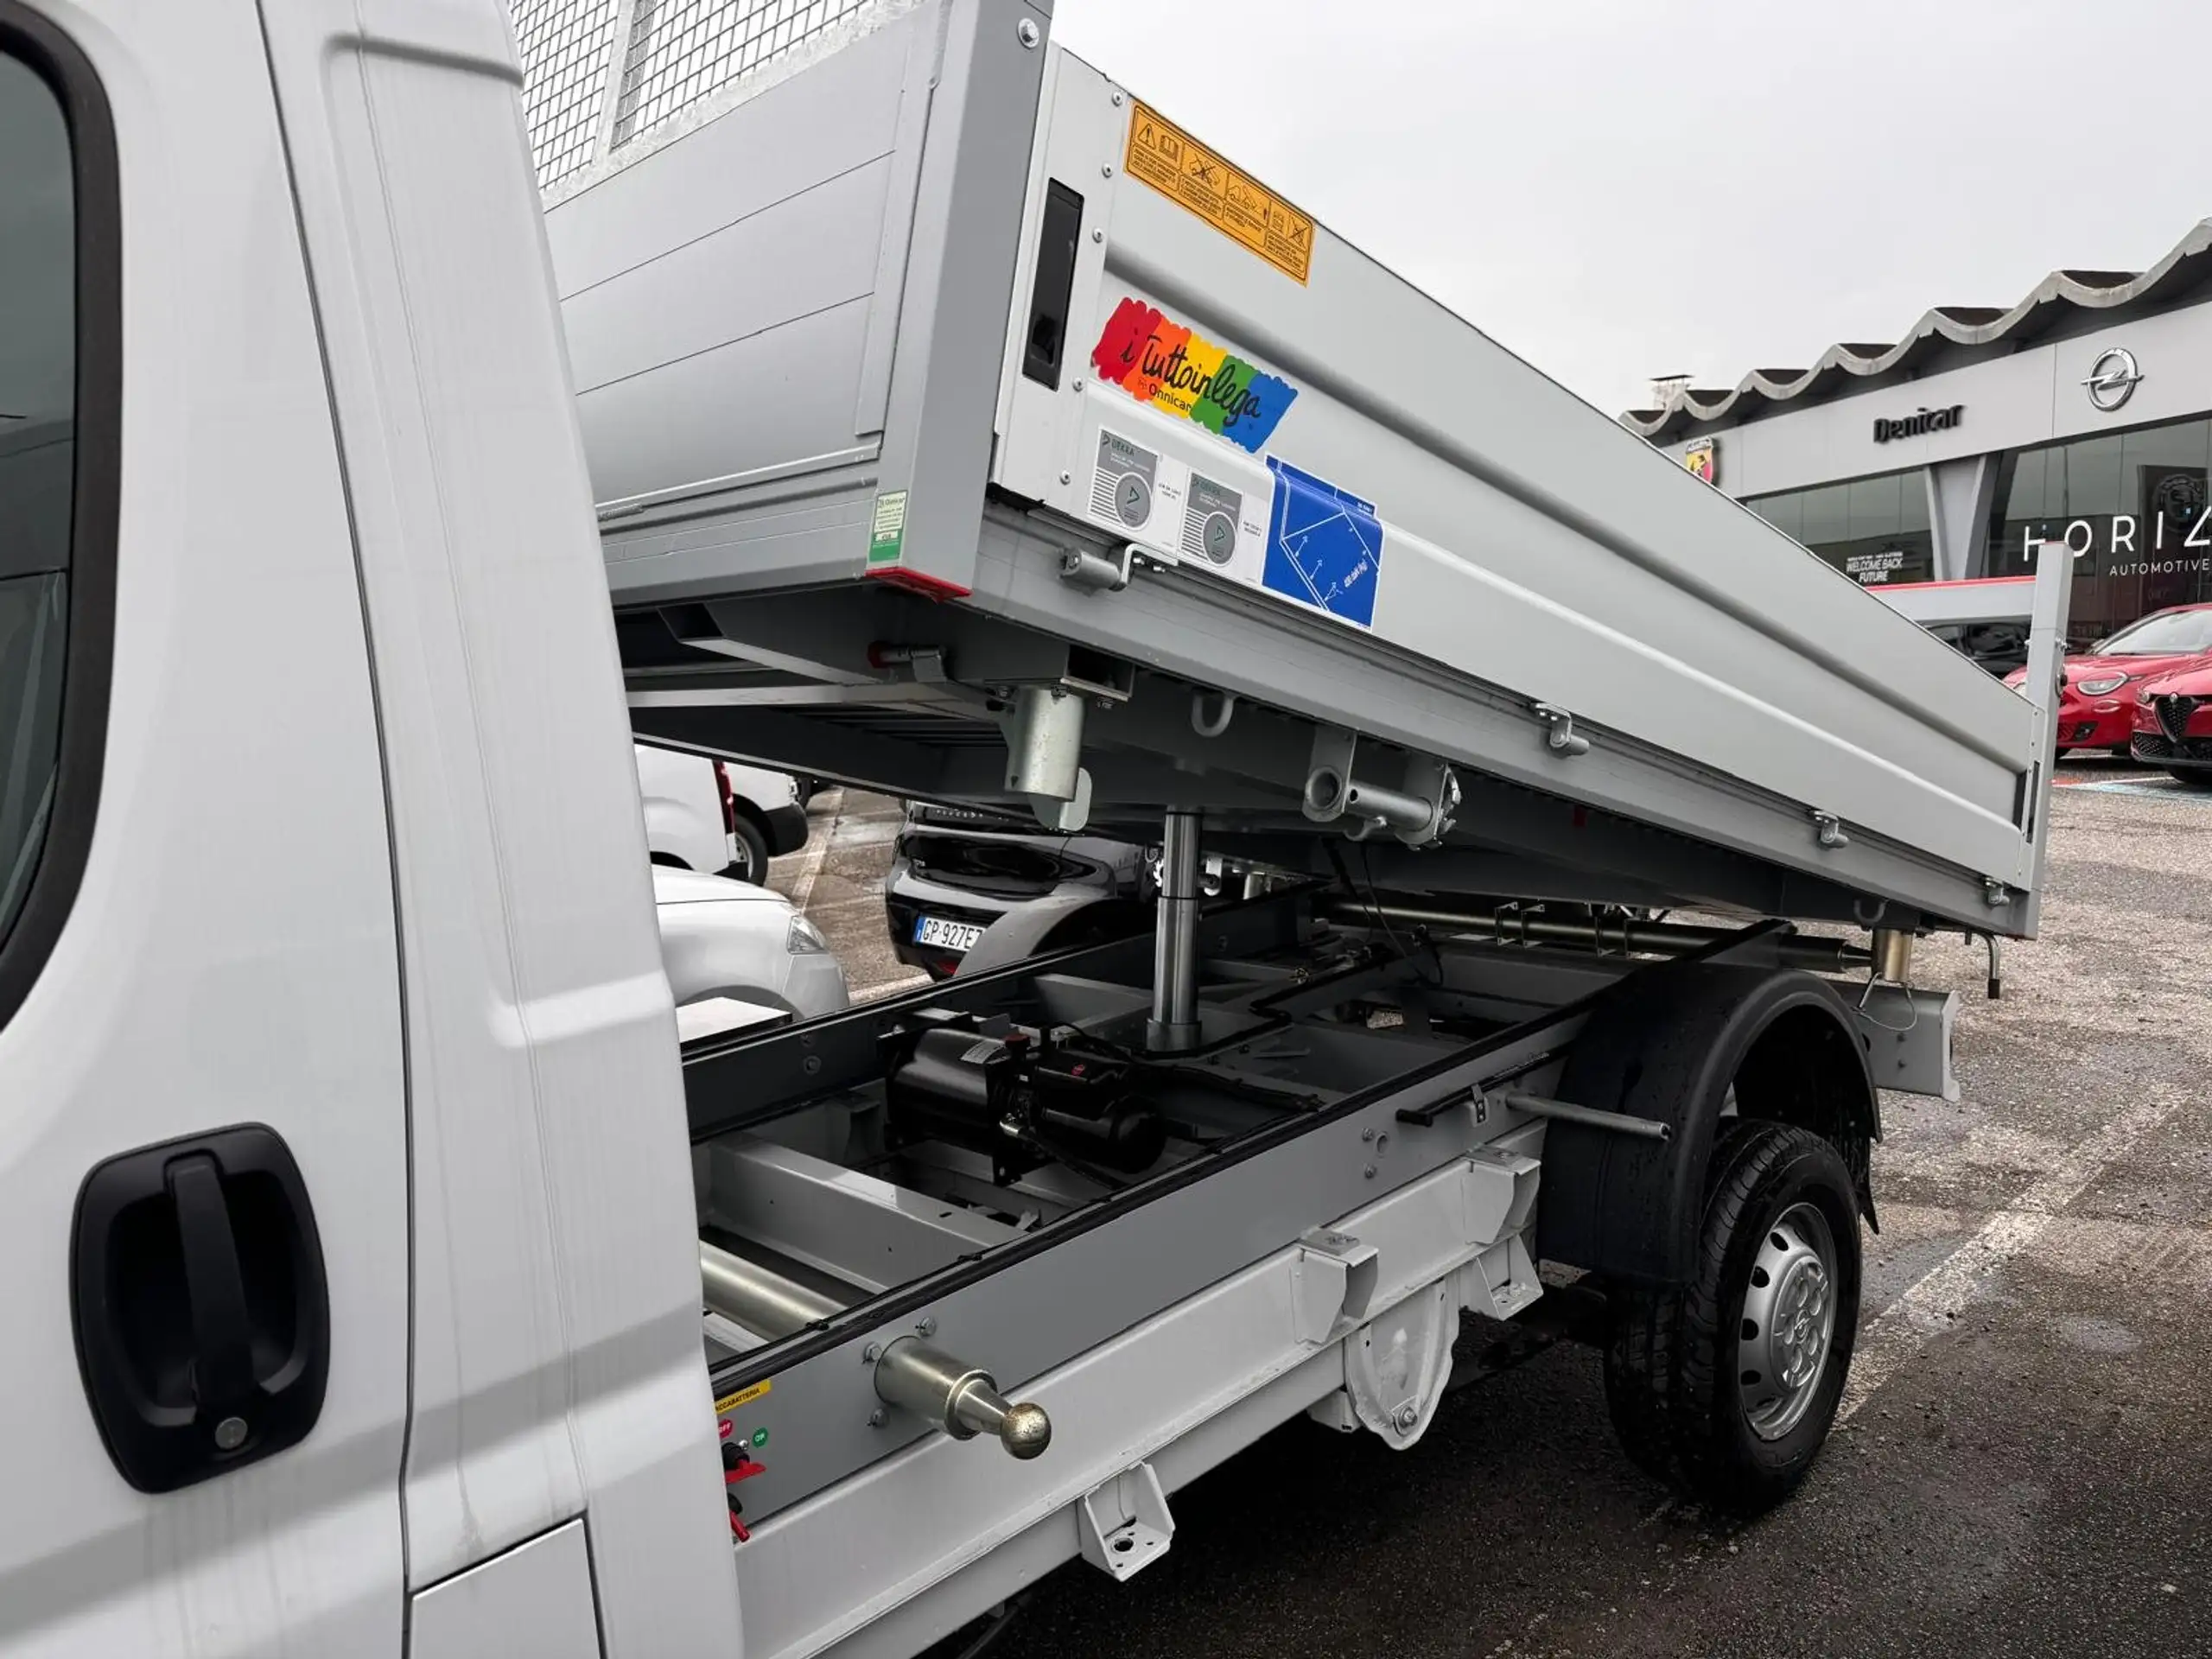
1979 329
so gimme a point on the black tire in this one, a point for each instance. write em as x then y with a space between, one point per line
751 863
2195 777
1674 1376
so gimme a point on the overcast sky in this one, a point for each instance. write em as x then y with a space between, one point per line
1618 190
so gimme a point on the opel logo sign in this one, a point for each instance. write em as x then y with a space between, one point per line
2112 378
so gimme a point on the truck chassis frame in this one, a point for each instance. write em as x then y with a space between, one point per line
1165 1324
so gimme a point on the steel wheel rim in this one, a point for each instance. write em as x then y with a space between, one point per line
1789 1322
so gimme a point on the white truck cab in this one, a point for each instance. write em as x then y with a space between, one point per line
391 1343
388 1273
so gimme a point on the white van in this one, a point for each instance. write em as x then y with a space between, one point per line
719 817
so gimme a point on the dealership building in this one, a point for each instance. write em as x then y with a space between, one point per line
2082 413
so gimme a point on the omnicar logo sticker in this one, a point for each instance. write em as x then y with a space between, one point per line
1166 365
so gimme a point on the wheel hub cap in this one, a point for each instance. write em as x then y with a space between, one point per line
1788 1323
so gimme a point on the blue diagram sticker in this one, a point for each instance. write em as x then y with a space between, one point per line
1324 545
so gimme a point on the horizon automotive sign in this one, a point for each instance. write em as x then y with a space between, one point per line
2126 565
1918 425
2162 547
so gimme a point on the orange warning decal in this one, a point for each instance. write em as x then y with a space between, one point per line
1239 207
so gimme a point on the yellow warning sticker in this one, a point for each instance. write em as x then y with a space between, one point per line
730 1402
1239 207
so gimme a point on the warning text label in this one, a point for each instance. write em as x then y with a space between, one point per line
1180 167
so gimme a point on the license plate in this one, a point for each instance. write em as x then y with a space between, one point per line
946 935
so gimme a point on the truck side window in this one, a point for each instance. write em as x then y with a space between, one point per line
38 356
58 340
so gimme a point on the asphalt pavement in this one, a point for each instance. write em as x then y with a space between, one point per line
837 880
2027 1464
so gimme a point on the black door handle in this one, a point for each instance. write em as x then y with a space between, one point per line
214 1290
201 1314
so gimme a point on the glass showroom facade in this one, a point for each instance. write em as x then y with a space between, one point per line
2131 506
1874 528
2134 505
2080 416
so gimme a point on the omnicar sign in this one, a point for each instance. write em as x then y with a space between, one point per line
1918 425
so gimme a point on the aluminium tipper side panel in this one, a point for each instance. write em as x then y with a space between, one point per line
789 306
805 329
1247 395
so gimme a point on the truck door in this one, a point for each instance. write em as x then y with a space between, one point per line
562 1488
203 1177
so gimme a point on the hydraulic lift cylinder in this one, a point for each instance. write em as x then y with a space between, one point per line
1892 949
1174 1027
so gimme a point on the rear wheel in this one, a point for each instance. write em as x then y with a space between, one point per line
751 847
1726 1388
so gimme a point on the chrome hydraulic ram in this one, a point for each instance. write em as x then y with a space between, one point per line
1175 1024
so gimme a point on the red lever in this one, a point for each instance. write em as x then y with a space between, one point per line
737 1466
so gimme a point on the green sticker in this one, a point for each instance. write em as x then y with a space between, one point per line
889 529
760 1437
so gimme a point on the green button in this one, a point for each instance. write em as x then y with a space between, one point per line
760 1437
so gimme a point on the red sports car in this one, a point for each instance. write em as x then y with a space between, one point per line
2173 725
2097 709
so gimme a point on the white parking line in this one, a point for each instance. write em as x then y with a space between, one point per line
817 848
2148 789
1927 1309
